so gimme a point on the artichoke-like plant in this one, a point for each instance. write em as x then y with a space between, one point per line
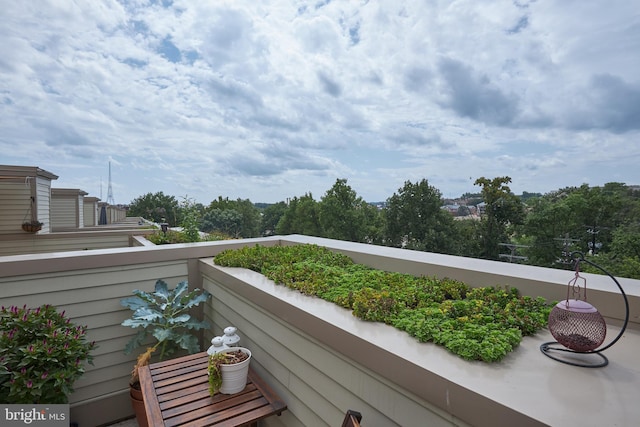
164 314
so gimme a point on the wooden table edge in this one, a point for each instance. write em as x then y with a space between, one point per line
150 398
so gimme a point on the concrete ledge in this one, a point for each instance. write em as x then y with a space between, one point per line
525 389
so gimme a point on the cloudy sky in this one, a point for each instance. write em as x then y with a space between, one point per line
265 100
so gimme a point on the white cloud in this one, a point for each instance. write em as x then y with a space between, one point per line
269 100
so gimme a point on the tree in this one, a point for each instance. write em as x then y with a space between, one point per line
465 239
374 225
548 231
271 216
502 208
344 215
415 219
623 258
190 219
583 218
301 217
225 221
156 207
237 218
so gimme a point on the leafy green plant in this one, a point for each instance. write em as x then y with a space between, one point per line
190 220
164 315
41 355
475 323
173 236
215 372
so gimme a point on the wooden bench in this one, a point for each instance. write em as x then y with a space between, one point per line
352 419
176 392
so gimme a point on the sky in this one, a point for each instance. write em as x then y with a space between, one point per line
274 99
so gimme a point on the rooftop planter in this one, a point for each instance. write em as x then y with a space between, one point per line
483 323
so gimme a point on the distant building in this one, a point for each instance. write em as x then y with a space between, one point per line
482 208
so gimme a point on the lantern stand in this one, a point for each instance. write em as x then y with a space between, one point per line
547 348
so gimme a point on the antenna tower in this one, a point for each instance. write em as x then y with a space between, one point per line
110 190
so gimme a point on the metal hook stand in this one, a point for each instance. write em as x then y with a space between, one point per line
573 357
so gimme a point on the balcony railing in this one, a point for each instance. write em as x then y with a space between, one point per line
320 358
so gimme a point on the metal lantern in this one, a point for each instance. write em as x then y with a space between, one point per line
577 325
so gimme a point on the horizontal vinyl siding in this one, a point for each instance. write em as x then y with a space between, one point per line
318 384
90 216
31 244
14 206
43 200
92 297
64 212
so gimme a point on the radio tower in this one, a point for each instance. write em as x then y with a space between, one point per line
110 190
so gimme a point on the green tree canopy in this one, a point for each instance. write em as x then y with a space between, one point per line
415 219
271 216
237 218
301 217
344 215
156 207
582 218
502 208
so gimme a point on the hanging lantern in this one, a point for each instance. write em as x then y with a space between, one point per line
575 323
578 325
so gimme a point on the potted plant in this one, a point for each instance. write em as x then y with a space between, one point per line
42 354
228 370
163 317
32 226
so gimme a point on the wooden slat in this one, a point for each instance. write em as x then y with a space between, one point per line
151 405
176 392
274 400
187 405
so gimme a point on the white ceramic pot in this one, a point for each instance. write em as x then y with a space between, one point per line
234 377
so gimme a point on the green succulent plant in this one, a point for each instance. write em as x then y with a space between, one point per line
475 323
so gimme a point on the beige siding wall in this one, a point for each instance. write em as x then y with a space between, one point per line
115 214
27 243
90 211
64 212
319 384
14 206
89 286
43 202
92 297
17 186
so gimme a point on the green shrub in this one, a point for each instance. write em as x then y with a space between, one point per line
475 323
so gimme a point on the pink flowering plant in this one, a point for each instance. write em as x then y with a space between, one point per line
41 355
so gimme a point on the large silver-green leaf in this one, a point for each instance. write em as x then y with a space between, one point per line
135 342
162 289
179 319
148 314
189 343
179 290
195 297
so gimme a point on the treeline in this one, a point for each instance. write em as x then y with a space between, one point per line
534 229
